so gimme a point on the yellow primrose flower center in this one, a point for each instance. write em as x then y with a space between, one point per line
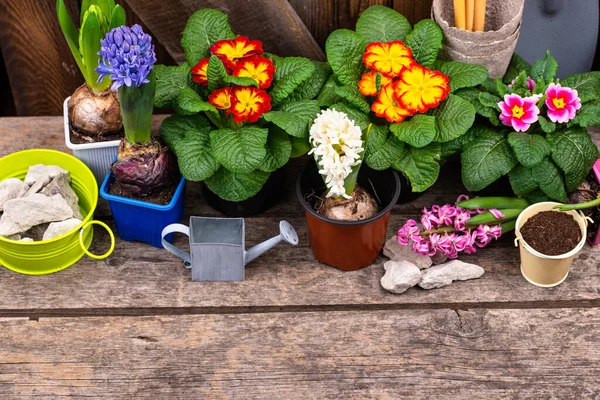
517 112
558 102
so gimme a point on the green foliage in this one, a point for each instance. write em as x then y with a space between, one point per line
419 131
382 24
517 64
530 149
345 50
202 29
425 41
453 118
353 97
544 68
464 75
587 85
420 166
550 180
233 159
96 19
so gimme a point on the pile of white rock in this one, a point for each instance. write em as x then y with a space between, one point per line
41 207
406 269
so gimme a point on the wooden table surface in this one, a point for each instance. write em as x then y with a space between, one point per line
136 326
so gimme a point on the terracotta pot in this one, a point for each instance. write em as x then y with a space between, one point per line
348 245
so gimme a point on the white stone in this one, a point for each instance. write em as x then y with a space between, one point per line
397 252
43 172
57 229
24 213
444 274
26 239
400 276
61 184
11 188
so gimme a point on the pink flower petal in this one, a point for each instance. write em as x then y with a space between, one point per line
505 109
496 213
519 125
505 119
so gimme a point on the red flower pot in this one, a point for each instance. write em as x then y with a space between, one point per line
348 245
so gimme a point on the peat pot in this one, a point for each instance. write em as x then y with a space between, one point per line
348 245
540 269
97 156
143 221
267 197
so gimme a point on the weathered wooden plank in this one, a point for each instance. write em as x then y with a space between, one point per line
143 278
276 25
414 11
424 354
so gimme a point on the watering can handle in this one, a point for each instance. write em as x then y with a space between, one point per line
187 260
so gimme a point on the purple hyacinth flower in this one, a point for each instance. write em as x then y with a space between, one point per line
126 56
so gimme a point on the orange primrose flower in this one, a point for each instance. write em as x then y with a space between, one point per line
259 68
249 103
388 107
367 85
230 51
389 58
221 98
199 72
419 88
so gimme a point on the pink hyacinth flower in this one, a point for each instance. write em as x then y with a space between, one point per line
519 112
461 220
496 213
407 232
422 246
429 220
529 82
562 103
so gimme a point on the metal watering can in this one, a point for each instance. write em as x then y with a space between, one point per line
217 247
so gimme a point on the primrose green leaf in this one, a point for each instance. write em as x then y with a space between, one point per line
328 95
279 149
345 50
521 180
202 29
195 155
294 118
586 84
472 96
530 149
490 100
546 125
240 81
453 118
381 148
537 196
290 72
361 119
175 127
486 159
353 96
242 150
517 64
550 179
310 88
544 68
215 73
382 24
418 131
501 89
425 41
420 166
190 102
464 75
236 187
117 18
574 152
490 85
456 145
170 81
588 115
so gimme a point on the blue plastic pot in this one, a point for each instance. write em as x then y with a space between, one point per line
142 221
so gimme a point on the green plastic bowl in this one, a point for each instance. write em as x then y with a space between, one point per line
49 256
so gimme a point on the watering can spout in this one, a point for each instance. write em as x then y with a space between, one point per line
286 233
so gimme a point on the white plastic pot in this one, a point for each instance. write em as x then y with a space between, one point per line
539 269
97 156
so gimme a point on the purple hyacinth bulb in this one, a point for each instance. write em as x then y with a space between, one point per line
126 56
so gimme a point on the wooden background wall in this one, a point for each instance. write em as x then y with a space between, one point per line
37 71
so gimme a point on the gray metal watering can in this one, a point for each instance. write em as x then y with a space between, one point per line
217 249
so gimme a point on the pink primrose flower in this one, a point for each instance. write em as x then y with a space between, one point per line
562 103
519 112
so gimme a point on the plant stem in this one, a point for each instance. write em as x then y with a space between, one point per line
578 206
137 105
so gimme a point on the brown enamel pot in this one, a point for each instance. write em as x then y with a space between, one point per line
348 245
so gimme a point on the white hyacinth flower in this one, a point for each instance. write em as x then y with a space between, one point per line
337 147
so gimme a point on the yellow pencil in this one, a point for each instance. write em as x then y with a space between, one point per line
459 14
470 13
479 15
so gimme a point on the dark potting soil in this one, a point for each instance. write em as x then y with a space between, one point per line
551 232
78 138
163 197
